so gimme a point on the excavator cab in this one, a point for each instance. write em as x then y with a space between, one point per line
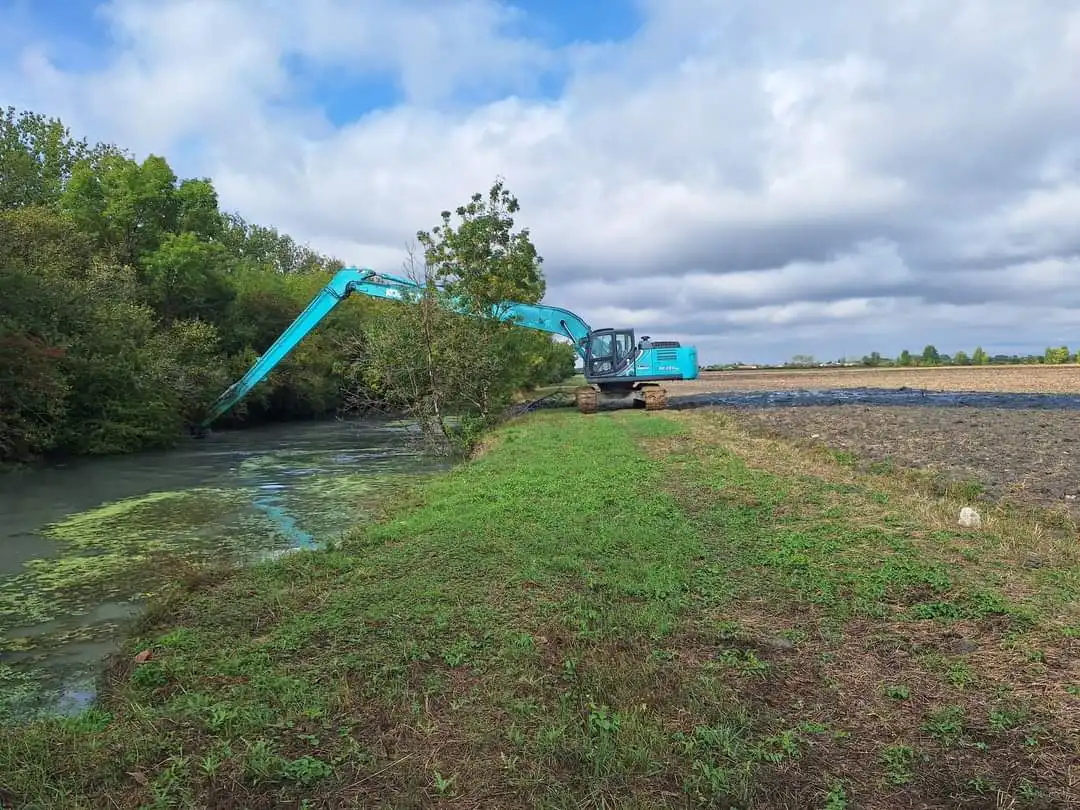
608 352
612 372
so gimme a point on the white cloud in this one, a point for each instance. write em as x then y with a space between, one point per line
758 178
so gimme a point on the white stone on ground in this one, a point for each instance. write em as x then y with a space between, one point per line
969 518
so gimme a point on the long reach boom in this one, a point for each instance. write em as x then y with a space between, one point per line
618 369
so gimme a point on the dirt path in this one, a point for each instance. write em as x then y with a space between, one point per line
1028 456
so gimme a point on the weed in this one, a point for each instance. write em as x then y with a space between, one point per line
960 675
744 661
836 798
307 770
898 760
1006 718
442 785
946 724
898 691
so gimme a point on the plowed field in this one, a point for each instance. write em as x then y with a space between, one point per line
1028 456
1019 379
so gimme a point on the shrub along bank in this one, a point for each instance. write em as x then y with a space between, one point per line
632 609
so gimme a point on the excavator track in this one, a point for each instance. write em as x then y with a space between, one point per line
655 398
587 399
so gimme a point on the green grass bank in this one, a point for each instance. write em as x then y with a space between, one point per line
628 610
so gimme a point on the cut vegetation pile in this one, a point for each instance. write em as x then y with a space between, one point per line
627 610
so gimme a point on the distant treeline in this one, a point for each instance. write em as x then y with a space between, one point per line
930 356
129 301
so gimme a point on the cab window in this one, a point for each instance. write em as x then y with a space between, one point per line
601 346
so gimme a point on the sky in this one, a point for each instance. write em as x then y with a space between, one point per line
759 179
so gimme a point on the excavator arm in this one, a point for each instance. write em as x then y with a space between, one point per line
384 285
547 319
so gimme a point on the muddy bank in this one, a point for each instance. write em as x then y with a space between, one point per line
1023 455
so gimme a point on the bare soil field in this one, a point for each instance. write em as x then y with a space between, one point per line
1064 379
1020 456
1026 457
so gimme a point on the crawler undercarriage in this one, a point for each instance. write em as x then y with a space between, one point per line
592 398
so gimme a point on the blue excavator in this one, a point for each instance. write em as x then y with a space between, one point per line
619 371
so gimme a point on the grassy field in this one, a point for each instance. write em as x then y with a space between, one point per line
1064 379
629 610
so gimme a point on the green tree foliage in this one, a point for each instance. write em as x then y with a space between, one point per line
419 359
187 276
129 301
979 357
37 155
32 393
450 354
482 261
1057 356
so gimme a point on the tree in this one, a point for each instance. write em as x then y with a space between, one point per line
980 357
32 395
128 300
904 359
961 359
42 259
420 359
1056 355
128 206
197 209
451 373
448 353
930 355
258 246
186 277
483 261
37 155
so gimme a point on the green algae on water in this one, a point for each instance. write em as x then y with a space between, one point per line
17 689
156 521
122 550
330 506
61 614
